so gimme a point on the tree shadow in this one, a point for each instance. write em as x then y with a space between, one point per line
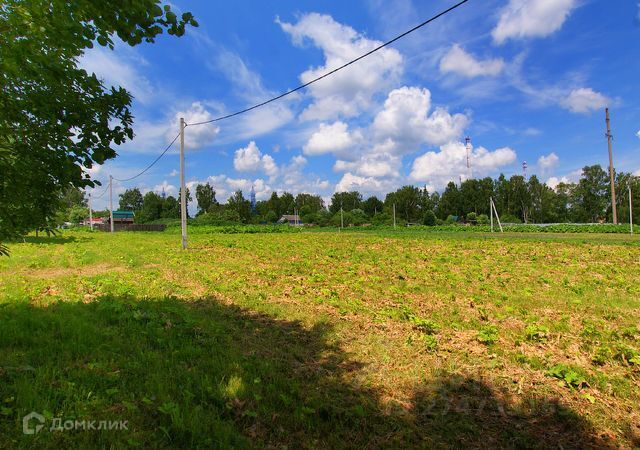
50 240
204 374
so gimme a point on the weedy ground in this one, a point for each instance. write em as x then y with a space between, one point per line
323 340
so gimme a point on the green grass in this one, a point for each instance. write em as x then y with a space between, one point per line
385 339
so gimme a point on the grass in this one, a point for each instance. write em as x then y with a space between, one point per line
376 339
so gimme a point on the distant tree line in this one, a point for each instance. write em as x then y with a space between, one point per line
517 200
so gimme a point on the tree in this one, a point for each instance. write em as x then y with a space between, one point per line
372 206
240 205
56 119
591 196
170 208
287 203
429 218
77 214
311 203
131 200
152 206
449 202
407 200
206 197
347 201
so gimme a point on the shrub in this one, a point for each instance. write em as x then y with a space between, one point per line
483 219
472 218
429 218
509 218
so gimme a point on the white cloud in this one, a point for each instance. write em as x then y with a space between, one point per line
406 122
638 134
365 185
449 164
531 18
349 91
371 165
251 159
118 68
196 137
553 182
584 100
547 163
164 187
332 138
458 61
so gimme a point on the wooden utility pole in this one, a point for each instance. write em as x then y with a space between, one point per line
183 190
394 216
90 214
630 211
111 201
611 174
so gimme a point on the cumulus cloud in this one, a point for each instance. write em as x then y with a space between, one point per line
458 61
251 159
195 137
348 92
547 163
449 164
371 165
165 188
531 18
405 121
584 100
365 185
332 138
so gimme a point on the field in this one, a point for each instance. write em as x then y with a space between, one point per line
322 340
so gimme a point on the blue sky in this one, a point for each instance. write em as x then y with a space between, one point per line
527 80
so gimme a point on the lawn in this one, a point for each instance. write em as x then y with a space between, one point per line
322 340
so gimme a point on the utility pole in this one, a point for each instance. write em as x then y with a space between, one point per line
111 201
491 212
630 211
183 190
90 214
394 216
341 219
611 175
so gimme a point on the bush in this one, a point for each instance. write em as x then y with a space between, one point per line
451 220
472 218
483 219
509 218
429 219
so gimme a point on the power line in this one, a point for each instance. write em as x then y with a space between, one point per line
100 196
153 163
302 86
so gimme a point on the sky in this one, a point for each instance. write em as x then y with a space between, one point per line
525 80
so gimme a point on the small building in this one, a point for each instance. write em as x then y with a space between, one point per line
94 221
291 219
122 217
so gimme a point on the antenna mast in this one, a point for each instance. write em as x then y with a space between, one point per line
469 148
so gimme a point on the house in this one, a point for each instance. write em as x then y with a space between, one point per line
291 219
122 217
94 221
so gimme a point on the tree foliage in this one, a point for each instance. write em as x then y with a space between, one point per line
57 120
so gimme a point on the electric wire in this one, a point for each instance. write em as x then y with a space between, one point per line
302 86
153 163
331 72
101 195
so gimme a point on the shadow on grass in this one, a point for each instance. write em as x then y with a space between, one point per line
50 240
203 374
